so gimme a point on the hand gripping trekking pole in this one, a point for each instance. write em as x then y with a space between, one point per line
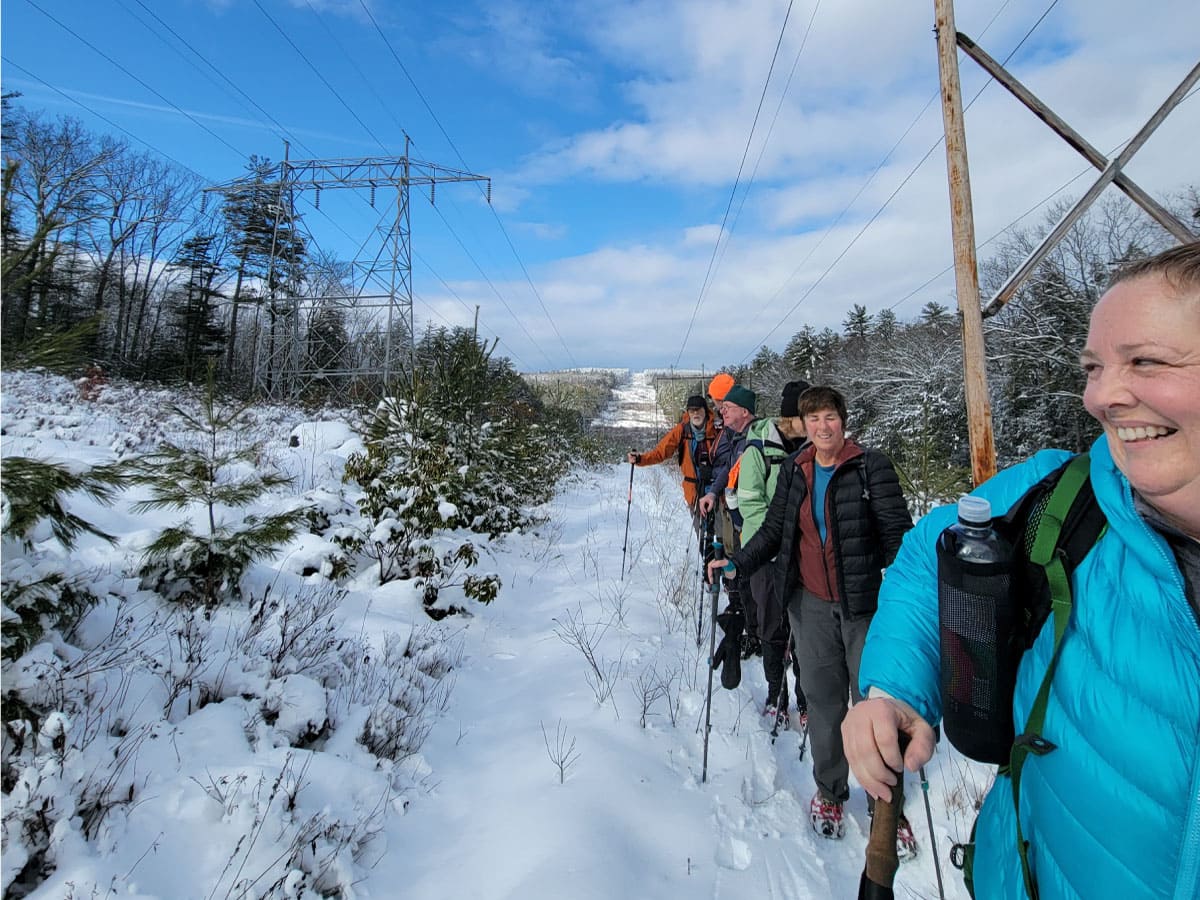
628 507
879 873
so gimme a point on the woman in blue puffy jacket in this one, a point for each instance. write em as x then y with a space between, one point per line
1114 810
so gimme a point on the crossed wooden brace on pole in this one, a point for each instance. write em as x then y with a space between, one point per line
1110 170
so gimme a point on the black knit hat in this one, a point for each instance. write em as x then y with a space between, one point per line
696 402
789 405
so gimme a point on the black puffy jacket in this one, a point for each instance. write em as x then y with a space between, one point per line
866 518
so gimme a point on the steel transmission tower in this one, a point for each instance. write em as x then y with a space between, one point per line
376 328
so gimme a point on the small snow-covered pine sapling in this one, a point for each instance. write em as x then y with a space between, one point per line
562 752
201 560
32 492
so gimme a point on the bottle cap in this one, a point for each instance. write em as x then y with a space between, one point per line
976 510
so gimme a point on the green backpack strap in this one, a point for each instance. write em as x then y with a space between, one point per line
1047 553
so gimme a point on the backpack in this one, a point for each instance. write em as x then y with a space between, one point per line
1052 527
703 461
761 445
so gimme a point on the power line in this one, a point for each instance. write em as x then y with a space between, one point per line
368 83
905 181
879 166
463 162
771 129
100 52
101 117
499 296
323 79
246 103
733 192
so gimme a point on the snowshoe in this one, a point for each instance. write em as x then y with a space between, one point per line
826 817
906 842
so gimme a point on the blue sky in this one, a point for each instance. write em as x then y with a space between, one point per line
613 134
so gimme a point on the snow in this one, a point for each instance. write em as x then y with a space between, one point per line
542 775
633 404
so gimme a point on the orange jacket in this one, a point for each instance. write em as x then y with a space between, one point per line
676 443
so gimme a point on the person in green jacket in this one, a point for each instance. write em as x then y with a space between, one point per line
768 444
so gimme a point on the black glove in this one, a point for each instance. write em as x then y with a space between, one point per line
728 655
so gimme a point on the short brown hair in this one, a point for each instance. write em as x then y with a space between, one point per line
822 397
1178 267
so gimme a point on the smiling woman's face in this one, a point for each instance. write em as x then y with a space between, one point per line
1142 362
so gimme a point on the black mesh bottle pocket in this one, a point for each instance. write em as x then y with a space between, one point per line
978 628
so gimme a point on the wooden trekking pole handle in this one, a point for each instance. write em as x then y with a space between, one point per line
881 859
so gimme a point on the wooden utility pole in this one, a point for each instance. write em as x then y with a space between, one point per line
966 273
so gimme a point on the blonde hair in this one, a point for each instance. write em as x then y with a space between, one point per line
1179 267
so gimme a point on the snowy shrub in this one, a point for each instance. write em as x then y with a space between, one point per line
204 565
400 690
289 845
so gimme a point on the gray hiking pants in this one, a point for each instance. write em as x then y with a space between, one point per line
829 650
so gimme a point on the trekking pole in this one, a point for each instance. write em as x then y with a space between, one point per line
628 507
715 592
879 872
937 866
705 536
781 711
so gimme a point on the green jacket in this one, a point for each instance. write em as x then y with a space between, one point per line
758 471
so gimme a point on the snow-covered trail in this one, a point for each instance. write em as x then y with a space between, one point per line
630 815
633 405
566 762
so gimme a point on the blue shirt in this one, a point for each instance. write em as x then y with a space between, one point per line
822 475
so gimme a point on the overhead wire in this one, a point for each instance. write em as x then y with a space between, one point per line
101 117
232 90
892 196
504 231
148 87
762 149
282 129
365 81
325 81
733 192
862 188
499 296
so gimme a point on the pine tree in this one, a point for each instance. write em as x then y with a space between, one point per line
204 562
464 444
266 241
194 307
41 596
